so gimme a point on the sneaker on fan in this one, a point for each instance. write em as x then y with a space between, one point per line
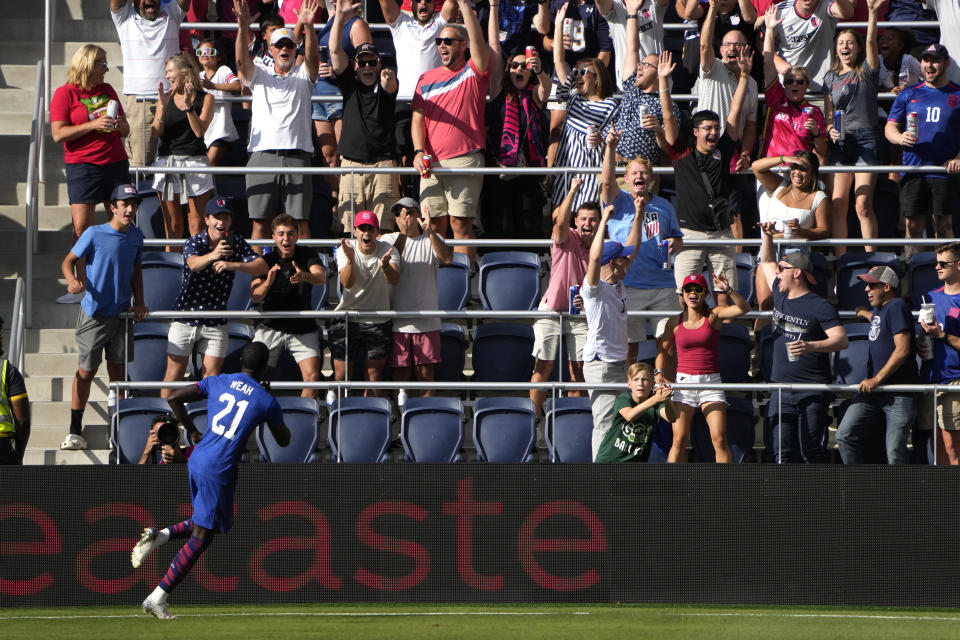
73 442
158 609
70 298
146 544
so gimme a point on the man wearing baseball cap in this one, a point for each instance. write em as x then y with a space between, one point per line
948 14
936 141
605 305
367 133
807 330
367 267
113 253
892 361
281 134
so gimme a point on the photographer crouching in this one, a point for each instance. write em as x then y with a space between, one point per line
163 443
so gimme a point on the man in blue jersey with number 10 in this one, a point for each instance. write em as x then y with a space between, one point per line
236 404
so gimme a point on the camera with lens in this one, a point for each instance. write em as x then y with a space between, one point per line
168 433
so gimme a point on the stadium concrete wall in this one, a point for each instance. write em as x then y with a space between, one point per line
747 534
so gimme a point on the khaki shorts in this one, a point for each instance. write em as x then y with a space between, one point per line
948 409
103 335
301 346
691 260
211 340
141 146
649 300
367 192
456 195
546 336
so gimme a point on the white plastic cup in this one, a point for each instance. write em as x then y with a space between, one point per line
791 356
927 315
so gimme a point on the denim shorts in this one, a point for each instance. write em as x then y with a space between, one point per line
94 183
859 148
326 111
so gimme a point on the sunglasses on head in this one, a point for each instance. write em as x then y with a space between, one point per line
368 62
693 288
943 264
579 72
447 41
206 51
789 81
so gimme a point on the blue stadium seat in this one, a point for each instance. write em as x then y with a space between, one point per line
734 350
130 427
852 365
647 351
319 293
149 363
850 289
359 430
568 430
301 417
198 413
922 271
431 429
504 429
741 433
502 352
746 268
453 284
765 345
239 299
453 349
162 273
239 336
150 217
509 280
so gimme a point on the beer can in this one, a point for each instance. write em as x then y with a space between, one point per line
568 27
590 131
665 255
427 166
113 108
642 112
574 292
913 123
531 52
838 123
323 54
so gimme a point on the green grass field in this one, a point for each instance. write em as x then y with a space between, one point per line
464 622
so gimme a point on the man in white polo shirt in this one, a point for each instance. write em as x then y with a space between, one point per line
649 15
281 132
149 34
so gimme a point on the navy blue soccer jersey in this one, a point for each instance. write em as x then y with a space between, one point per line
938 127
236 404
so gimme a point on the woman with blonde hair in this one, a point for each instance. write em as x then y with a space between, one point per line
180 122
93 152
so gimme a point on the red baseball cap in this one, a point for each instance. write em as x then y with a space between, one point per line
695 278
366 217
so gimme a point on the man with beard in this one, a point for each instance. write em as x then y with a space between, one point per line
703 178
367 138
650 284
149 32
281 132
413 41
936 142
448 125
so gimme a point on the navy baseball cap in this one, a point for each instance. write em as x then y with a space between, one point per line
125 192
613 250
218 205
935 51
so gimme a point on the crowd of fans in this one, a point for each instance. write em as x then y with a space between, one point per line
501 83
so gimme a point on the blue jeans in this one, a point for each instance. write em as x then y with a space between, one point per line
862 422
797 426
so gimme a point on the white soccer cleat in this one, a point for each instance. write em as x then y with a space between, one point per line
146 544
157 609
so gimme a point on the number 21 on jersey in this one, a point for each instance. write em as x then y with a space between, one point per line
224 414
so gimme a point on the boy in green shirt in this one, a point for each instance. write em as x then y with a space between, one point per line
635 414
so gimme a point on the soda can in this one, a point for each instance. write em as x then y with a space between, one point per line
531 52
838 123
574 292
568 27
427 166
590 131
665 255
913 123
642 112
113 108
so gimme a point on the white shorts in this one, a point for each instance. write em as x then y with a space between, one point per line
184 185
182 337
546 336
300 345
695 398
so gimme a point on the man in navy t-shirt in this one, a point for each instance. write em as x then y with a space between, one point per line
236 405
808 329
892 361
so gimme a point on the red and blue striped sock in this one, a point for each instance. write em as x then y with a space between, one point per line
180 530
182 563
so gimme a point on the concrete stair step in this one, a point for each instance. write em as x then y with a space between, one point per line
55 456
51 218
61 53
55 242
16 123
52 192
57 413
52 364
57 388
24 76
16 100
50 341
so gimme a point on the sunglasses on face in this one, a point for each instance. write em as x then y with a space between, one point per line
513 66
790 81
447 41
285 44
580 72
693 288
208 52
785 267
943 264
368 62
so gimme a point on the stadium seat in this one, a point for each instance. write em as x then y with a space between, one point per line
149 362
852 365
647 351
741 433
359 430
453 284
504 429
766 339
509 280
149 216
301 417
922 272
162 273
198 413
453 349
734 350
821 271
850 289
568 429
319 293
431 429
502 352
130 427
746 284
239 336
239 299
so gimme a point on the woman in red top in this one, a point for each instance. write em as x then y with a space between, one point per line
694 335
93 152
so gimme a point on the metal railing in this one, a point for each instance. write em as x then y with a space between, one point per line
15 350
34 168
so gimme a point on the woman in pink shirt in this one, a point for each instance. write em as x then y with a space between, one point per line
693 336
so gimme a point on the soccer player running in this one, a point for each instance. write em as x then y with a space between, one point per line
236 405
